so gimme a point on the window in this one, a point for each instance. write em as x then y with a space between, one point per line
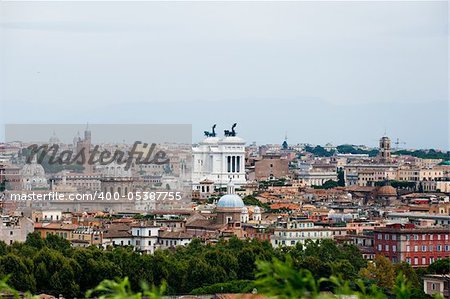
424 248
386 247
379 247
408 248
386 237
447 248
379 236
394 248
416 237
416 261
394 237
438 247
416 248
430 247
424 261
408 260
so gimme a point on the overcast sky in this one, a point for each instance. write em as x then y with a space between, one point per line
340 72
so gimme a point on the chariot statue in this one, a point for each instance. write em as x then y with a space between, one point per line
229 133
211 134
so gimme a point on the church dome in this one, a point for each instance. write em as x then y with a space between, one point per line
387 191
230 200
33 175
32 170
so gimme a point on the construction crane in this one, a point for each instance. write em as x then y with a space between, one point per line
398 142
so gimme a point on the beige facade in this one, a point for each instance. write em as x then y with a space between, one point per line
15 228
368 177
430 174
408 174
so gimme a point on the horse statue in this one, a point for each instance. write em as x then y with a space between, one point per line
211 134
232 132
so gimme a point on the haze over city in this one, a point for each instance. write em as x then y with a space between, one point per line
340 72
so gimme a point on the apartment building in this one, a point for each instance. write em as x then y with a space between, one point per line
415 245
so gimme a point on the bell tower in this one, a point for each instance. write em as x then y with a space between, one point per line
385 149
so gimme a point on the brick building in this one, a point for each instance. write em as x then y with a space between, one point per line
270 167
407 243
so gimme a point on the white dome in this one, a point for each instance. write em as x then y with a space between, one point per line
33 176
32 170
257 210
230 201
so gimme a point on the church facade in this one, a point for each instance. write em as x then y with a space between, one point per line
219 160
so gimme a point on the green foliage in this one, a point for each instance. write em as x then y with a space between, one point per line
319 151
341 178
35 240
381 271
51 266
425 154
234 286
282 280
441 266
3 186
250 200
398 184
121 289
349 149
20 276
328 185
409 273
263 185
6 289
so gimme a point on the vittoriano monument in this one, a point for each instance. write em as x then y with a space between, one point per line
232 132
